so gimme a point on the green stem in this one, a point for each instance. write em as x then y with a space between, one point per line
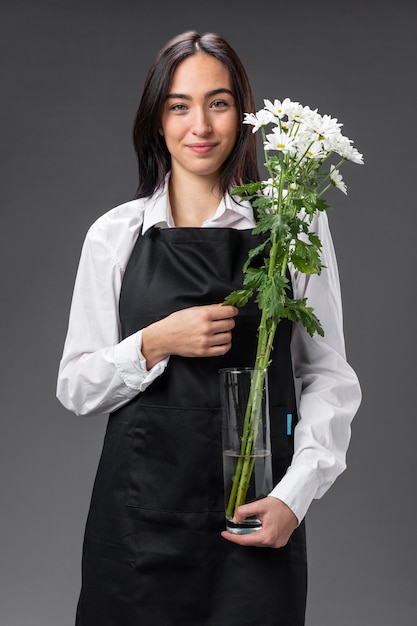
333 167
236 481
266 333
250 434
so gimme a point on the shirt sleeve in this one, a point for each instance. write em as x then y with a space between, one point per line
330 392
98 372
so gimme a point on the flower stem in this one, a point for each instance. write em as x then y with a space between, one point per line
244 468
266 334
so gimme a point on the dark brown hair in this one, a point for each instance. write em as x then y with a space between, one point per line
154 160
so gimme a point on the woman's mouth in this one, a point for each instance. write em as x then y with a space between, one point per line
201 148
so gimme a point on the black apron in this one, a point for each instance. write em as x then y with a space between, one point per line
153 554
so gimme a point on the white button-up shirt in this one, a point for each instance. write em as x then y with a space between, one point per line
99 372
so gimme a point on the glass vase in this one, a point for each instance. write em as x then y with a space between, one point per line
247 462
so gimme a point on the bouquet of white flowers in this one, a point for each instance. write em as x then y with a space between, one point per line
302 143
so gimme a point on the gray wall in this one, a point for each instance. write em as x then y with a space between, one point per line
72 74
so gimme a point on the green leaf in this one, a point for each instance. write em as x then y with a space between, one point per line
238 298
306 257
322 205
264 203
271 223
254 278
297 226
255 260
254 252
271 296
315 240
250 189
297 311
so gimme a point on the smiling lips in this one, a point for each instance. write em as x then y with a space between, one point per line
201 148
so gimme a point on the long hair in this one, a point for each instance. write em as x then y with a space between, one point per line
154 160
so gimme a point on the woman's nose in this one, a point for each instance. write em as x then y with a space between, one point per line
201 123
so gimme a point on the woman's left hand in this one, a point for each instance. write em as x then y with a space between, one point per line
278 524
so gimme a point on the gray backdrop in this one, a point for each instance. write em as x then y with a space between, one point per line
72 74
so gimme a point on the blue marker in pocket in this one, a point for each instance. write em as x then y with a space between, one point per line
289 423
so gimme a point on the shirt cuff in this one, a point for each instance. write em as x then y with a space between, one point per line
131 364
297 489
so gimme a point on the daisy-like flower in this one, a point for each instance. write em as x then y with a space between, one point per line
280 141
354 155
327 129
337 180
295 112
258 119
311 149
280 109
347 151
305 115
269 188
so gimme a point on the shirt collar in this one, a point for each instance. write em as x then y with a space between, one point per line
232 208
158 211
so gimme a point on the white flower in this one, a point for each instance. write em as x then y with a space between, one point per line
295 112
347 151
307 139
261 118
311 149
337 180
280 109
280 141
270 188
327 130
305 115
355 156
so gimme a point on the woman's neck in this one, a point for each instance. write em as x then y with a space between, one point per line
193 201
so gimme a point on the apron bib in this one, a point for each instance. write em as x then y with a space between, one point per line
153 554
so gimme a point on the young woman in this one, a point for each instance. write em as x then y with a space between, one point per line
147 336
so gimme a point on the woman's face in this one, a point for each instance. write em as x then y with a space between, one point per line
199 119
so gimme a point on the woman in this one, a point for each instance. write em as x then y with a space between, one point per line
147 336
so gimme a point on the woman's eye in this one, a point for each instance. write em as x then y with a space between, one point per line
219 104
178 107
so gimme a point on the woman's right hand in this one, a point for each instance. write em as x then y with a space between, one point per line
198 331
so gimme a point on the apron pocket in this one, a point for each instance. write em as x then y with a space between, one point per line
283 422
175 460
